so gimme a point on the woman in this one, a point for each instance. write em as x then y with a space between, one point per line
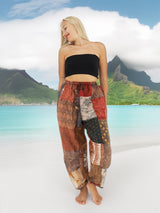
81 105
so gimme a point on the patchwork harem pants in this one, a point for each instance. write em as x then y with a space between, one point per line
80 106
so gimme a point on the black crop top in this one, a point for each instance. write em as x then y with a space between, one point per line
82 64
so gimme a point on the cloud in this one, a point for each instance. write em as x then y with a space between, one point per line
33 44
35 7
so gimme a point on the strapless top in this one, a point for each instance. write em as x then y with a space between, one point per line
82 64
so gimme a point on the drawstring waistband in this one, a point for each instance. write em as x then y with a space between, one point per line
80 82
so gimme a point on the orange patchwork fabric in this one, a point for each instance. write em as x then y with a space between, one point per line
80 106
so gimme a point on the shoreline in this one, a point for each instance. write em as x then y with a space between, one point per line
55 103
34 104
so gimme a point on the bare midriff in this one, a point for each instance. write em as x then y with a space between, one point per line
81 78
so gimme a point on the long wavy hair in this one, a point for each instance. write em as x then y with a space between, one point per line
78 26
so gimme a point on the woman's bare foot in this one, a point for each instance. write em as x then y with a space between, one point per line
82 197
96 197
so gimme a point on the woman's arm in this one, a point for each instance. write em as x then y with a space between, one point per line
61 67
103 68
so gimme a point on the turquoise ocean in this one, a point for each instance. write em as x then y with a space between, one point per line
129 125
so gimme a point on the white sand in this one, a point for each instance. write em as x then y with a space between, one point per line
33 179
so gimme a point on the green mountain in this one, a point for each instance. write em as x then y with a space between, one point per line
128 86
137 77
17 87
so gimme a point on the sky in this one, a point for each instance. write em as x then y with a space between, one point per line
30 33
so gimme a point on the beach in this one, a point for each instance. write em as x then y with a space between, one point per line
33 179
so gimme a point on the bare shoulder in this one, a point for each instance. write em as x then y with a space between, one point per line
98 44
100 47
64 50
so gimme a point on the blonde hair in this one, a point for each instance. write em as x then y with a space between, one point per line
78 26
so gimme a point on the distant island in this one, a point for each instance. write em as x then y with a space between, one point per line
125 86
